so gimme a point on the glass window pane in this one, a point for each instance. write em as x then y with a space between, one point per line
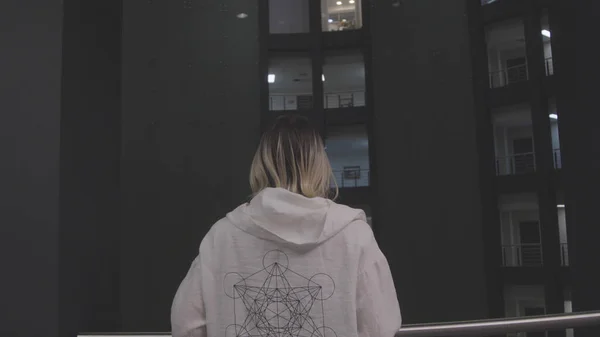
546 35
288 16
348 151
507 58
290 82
337 15
344 80
553 115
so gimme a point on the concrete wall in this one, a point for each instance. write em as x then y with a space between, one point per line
30 64
426 159
190 124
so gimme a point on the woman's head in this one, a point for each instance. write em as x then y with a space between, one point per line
291 155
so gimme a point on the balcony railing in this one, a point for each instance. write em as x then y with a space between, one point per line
290 102
557 159
508 76
352 178
520 163
549 66
522 255
564 254
344 99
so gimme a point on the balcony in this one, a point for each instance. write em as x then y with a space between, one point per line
351 177
520 163
344 99
510 75
564 254
522 255
290 102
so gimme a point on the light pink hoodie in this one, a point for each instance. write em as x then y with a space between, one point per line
287 265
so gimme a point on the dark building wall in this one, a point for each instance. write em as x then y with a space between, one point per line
30 36
428 211
190 124
90 146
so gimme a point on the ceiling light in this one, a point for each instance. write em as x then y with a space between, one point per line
271 78
553 116
323 77
546 33
560 206
242 16
330 20
344 20
339 3
351 1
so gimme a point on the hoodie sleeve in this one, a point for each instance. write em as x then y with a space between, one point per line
188 317
378 311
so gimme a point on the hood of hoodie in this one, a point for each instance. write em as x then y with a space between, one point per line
293 220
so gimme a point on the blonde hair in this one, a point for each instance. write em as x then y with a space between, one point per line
291 155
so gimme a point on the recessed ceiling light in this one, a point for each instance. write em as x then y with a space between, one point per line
242 16
553 116
546 33
344 20
339 3
323 77
330 20
271 78
351 1
560 206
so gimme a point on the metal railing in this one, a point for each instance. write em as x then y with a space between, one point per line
492 327
351 178
522 255
349 99
479 328
519 163
564 254
290 102
549 66
504 77
557 159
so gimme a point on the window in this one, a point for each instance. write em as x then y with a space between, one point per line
546 35
553 115
562 229
520 230
507 61
338 15
348 151
288 16
344 80
290 82
513 140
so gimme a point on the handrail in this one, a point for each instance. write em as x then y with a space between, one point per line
467 328
502 326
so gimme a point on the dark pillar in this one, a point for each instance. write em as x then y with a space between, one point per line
428 196
30 64
89 160
578 70
191 121
545 182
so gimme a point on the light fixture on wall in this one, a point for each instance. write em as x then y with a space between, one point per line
323 77
271 78
339 3
546 33
553 116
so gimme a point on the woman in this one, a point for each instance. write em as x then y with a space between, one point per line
291 262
